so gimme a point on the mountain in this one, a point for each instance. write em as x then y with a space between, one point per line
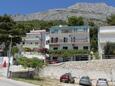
94 11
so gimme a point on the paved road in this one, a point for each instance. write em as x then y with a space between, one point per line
9 82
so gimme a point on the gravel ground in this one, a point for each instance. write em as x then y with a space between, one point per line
47 82
53 82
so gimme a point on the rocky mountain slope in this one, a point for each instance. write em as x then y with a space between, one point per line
95 11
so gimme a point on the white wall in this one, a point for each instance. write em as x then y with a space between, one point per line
105 34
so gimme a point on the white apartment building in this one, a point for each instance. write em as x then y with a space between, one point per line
35 39
105 34
69 37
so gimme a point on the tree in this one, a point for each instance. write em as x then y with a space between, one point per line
8 27
91 23
109 49
34 63
75 21
111 20
14 50
40 24
94 38
67 53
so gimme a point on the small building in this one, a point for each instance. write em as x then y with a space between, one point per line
70 38
105 34
33 42
35 39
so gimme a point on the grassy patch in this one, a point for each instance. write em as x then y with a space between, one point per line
40 81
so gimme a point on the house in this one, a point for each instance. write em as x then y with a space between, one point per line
105 34
34 41
70 38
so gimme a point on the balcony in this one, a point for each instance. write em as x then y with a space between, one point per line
69 42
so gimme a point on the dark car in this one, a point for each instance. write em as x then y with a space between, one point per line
67 78
85 81
102 82
51 61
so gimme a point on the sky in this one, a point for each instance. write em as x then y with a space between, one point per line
31 6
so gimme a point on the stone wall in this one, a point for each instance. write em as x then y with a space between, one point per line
94 69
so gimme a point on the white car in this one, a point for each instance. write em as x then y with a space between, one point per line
102 82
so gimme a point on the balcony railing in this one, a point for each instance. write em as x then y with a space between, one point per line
70 42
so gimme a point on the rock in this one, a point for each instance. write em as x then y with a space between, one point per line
96 11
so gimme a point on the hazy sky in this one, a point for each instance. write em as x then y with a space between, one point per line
30 6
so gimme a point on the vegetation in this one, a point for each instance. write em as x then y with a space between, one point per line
94 38
67 53
111 20
34 63
40 81
30 62
9 27
40 24
75 21
109 49
14 50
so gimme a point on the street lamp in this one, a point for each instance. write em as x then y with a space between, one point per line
9 55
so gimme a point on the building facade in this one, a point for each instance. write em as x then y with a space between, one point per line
35 39
70 38
105 34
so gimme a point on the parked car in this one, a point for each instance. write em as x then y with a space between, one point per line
52 61
67 78
102 82
85 81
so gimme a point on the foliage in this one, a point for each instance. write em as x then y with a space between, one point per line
8 27
94 38
27 49
91 23
40 24
111 20
67 53
75 21
96 54
30 62
109 48
14 50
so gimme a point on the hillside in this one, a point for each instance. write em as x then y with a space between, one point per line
94 11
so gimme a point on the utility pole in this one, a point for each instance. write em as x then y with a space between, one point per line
41 40
9 55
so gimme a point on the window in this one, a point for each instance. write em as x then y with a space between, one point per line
73 39
36 43
56 39
75 47
37 36
55 48
54 31
85 29
23 42
65 47
52 40
47 42
66 30
85 47
65 39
